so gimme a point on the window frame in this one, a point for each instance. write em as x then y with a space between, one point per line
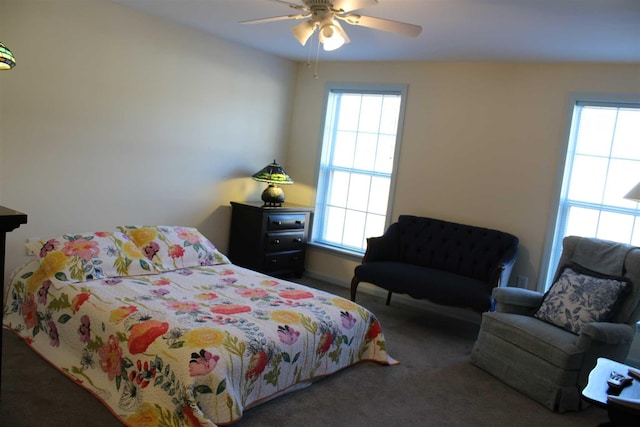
321 191
556 219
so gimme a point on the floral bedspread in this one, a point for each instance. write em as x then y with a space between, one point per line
191 347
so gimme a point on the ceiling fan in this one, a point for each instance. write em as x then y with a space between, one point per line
324 16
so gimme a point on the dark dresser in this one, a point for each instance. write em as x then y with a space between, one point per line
9 221
269 239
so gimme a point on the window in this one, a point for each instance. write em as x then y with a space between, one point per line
602 164
360 146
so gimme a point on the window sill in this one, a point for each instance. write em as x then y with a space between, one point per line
334 250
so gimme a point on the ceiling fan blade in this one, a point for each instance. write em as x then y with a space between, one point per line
349 5
274 18
303 31
291 5
396 27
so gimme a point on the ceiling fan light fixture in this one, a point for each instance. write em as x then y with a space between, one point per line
303 31
324 16
332 36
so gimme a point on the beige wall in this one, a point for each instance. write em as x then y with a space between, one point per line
113 117
481 143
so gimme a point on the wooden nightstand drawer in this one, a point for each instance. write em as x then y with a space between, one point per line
293 260
286 221
284 241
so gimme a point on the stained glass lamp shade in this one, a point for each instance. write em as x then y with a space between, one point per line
273 174
7 61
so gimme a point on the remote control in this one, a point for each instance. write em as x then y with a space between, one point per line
617 380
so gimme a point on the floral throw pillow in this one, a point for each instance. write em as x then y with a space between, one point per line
577 299
72 258
172 247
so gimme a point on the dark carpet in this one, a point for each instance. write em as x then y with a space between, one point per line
434 385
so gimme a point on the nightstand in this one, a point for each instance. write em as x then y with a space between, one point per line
269 239
9 220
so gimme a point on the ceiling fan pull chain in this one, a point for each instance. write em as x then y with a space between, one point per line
315 72
309 53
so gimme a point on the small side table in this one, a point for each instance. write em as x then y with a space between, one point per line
9 220
597 392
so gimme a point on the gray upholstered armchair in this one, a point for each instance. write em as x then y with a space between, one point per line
550 362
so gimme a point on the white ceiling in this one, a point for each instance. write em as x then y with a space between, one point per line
452 30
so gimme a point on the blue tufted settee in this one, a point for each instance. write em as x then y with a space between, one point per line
445 262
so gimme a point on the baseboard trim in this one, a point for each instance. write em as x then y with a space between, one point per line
453 312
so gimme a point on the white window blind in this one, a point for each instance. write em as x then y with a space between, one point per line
359 157
601 166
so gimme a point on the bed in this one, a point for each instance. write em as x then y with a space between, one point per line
166 331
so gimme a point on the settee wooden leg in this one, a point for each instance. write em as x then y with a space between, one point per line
354 286
389 298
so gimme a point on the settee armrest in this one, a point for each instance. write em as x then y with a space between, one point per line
500 276
517 300
605 333
383 248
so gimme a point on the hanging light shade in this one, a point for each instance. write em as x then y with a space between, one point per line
273 174
7 60
332 36
303 31
330 33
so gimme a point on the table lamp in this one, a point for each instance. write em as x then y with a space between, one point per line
272 174
7 60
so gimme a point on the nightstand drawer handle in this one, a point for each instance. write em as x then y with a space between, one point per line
298 240
276 241
298 222
276 222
